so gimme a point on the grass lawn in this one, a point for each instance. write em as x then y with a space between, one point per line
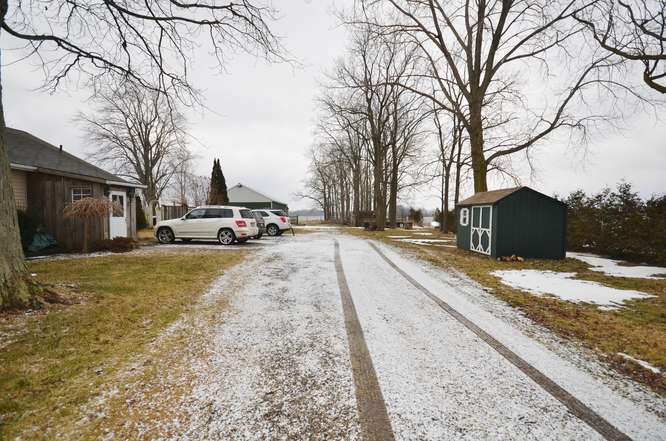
54 361
638 330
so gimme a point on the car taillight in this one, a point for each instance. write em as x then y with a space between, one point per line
283 219
241 223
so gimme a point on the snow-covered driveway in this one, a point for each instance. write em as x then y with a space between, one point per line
334 343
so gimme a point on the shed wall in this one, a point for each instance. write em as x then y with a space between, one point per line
463 232
530 225
47 197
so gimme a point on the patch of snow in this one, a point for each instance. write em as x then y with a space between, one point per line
425 241
566 287
423 234
641 363
613 268
399 237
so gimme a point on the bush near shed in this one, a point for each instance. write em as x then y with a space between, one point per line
619 224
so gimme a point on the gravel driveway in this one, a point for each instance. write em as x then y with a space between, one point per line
285 361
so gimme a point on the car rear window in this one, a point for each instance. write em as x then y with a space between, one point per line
246 214
278 212
219 213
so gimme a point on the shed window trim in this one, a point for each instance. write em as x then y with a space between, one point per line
464 217
79 193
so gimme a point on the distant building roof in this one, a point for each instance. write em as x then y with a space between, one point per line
29 152
489 197
243 193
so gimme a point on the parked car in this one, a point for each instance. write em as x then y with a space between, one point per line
277 222
261 225
226 224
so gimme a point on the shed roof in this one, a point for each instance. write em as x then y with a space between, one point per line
489 197
259 194
26 150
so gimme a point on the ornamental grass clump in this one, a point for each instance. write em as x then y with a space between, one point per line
90 209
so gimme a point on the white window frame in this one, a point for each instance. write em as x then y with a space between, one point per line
464 217
81 192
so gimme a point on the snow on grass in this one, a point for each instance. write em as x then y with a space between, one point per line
423 234
641 363
399 237
613 268
567 287
418 241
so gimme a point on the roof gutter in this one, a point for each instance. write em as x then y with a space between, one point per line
125 184
30 168
22 167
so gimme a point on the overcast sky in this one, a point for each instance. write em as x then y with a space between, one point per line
261 119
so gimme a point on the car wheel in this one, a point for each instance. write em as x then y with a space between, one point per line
272 230
165 235
226 237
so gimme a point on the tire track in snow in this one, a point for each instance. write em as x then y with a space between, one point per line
575 406
375 423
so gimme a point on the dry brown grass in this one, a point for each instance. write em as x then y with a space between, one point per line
54 361
639 329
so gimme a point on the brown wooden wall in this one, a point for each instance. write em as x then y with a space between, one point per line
49 194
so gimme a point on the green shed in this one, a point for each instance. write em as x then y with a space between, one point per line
243 196
510 221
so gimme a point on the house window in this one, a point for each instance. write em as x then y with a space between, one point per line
119 202
464 217
79 193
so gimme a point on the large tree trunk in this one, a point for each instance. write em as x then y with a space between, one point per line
15 291
380 199
393 191
356 183
479 165
445 208
459 166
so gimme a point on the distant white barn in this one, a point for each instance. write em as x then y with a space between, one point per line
244 196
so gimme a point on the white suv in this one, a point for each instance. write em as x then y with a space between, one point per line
277 222
226 224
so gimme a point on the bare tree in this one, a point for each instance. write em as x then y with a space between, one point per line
485 50
139 135
634 30
198 189
147 43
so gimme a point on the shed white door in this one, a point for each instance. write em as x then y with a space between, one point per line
481 232
118 219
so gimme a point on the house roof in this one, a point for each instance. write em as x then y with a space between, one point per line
28 152
489 197
268 198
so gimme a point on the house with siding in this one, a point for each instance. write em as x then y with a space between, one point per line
243 196
46 178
